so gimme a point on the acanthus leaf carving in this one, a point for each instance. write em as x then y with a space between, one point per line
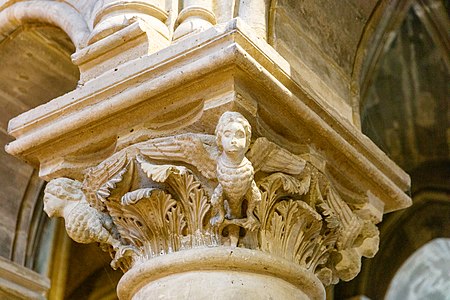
291 228
195 190
159 173
184 186
134 196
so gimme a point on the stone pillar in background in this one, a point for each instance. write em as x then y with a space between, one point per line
277 199
18 282
112 16
122 31
195 16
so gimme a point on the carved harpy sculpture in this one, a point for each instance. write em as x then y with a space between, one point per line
84 224
64 198
169 194
226 161
234 174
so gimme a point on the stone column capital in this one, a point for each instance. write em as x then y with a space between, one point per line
182 196
211 145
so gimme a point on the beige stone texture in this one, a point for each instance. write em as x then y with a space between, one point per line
18 282
212 148
85 106
219 273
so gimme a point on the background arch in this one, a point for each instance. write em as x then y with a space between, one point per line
54 13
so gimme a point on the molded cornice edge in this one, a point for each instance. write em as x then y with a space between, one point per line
81 128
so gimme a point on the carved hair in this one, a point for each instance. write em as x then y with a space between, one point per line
65 189
228 117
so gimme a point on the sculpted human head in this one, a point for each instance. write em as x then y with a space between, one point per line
57 194
233 134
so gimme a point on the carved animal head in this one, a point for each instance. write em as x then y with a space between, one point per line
235 123
58 192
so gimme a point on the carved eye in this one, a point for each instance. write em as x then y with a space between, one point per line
240 134
227 133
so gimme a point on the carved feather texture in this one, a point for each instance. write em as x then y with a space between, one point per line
84 225
198 150
293 185
269 157
105 190
101 179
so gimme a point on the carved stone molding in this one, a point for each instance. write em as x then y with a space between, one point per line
221 272
223 68
18 282
286 190
113 15
192 191
196 16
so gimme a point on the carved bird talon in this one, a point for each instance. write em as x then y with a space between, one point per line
123 252
126 250
218 219
251 224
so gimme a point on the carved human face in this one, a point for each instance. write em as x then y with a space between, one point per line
52 205
234 140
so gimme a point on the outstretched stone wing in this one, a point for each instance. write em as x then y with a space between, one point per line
199 150
269 157
102 179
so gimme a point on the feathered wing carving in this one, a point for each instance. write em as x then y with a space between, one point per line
199 150
269 157
99 181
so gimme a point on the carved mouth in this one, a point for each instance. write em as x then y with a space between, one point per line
234 148
233 151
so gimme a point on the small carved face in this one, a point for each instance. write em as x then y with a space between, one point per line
52 205
57 194
234 139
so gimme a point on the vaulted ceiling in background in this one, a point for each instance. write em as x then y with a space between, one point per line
406 110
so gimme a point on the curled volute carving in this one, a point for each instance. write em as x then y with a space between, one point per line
195 190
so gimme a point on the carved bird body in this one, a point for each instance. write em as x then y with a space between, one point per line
86 225
225 157
235 182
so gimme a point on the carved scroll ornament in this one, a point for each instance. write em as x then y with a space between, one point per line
195 190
